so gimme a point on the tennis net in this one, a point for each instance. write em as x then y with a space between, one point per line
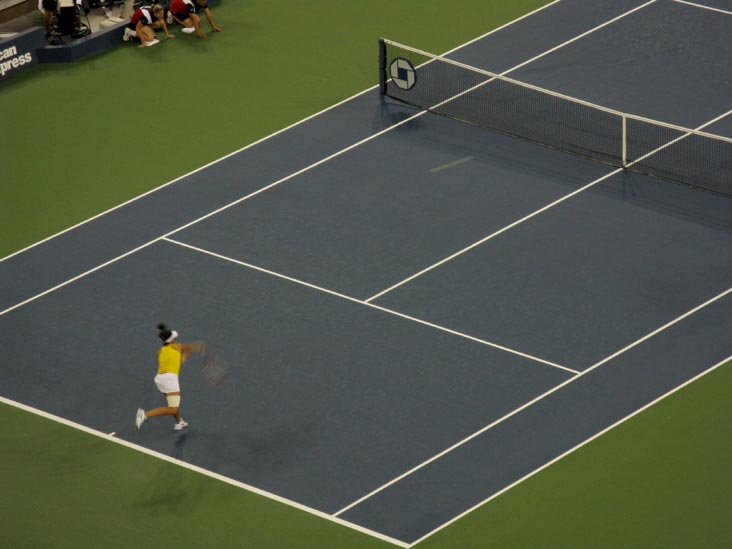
691 157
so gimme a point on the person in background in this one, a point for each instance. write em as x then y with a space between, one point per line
143 24
48 9
184 12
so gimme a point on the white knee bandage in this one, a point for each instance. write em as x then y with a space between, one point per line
173 401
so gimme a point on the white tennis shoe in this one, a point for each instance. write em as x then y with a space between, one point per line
152 42
182 424
188 30
140 419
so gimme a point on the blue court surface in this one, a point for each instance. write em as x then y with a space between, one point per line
416 313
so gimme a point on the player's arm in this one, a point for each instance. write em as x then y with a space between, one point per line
209 16
194 347
165 29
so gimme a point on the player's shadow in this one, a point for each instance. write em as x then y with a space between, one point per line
179 445
172 490
175 491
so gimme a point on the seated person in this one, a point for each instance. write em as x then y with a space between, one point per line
48 9
143 24
184 13
58 21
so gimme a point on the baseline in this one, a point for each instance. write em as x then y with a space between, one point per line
334 385
164 457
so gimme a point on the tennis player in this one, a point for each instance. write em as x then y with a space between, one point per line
170 357
184 12
144 22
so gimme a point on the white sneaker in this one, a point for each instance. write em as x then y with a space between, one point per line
140 419
152 43
188 30
169 18
129 33
181 425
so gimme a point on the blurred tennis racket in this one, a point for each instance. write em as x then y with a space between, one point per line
215 369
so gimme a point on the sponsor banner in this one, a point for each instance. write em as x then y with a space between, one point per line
19 52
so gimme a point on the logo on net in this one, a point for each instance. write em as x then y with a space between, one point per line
402 73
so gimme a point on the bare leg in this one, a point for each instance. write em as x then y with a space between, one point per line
145 34
165 410
48 20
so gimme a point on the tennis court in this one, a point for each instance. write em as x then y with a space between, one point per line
416 312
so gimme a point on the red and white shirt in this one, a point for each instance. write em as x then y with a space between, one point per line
144 14
185 6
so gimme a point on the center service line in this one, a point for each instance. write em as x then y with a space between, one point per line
370 305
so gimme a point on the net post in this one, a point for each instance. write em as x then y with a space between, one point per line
382 66
625 141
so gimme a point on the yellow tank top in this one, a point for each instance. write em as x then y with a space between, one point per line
169 360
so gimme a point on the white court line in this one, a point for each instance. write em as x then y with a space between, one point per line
324 111
680 138
493 235
370 305
260 140
299 172
206 216
201 470
702 6
537 212
75 278
162 456
531 403
537 10
580 36
572 450
138 197
210 214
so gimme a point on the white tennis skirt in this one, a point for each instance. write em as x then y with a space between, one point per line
167 383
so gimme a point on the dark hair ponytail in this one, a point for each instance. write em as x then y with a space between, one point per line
163 332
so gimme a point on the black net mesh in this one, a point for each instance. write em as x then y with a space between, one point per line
560 122
677 155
